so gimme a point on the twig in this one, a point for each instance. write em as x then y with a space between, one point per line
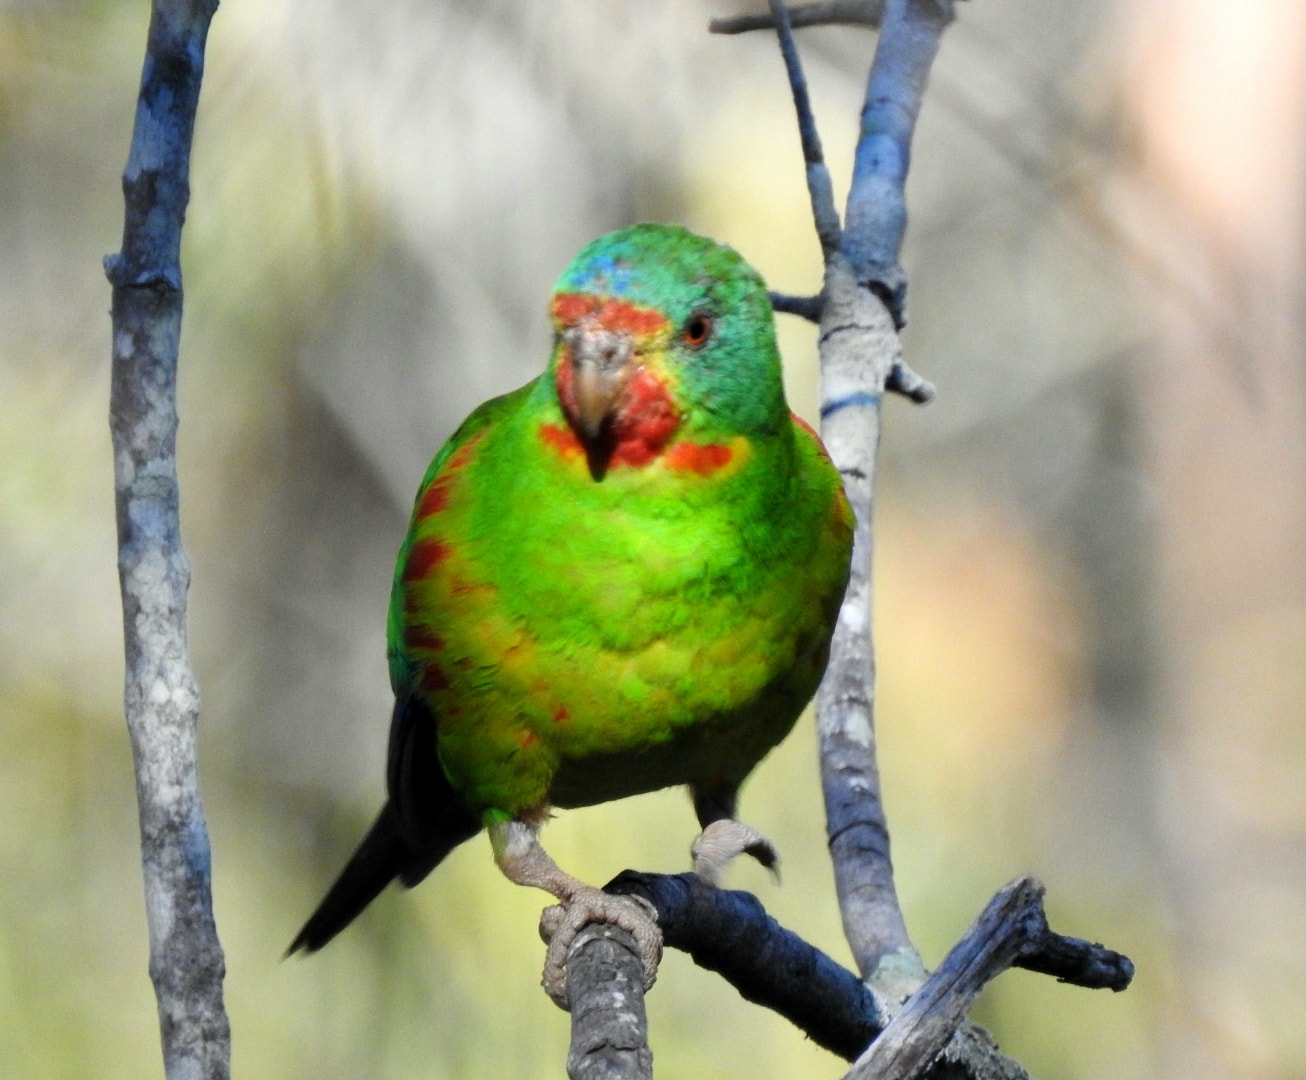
863 299
859 349
160 696
806 307
1012 931
831 13
819 188
902 380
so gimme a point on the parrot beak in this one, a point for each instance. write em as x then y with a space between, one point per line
602 362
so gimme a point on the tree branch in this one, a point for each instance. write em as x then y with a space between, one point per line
161 700
859 347
605 996
877 204
1011 932
863 298
824 214
730 933
830 13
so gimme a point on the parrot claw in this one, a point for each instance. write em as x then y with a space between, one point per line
725 840
560 924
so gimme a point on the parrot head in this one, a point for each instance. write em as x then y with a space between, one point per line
661 334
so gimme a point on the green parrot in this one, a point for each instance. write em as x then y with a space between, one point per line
620 577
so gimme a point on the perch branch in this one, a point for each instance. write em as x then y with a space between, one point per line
161 700
730 933
605 995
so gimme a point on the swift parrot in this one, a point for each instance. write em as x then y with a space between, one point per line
620 577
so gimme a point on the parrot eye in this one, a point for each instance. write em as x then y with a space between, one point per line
698 328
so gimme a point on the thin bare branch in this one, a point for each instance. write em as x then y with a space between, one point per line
877 207
831 13
861 359
806 307
1012 931
859 348
729 932
819 188
161 700
902 380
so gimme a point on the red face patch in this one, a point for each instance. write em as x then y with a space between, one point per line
645 420
616 315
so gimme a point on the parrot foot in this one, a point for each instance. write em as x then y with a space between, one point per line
718 845
519 855
560 924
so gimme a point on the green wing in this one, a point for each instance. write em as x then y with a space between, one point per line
485 416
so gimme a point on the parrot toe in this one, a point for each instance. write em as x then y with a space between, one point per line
718 845
561 923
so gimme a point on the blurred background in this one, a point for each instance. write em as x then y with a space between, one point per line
1091 583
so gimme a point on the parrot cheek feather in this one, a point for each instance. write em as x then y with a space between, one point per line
645 421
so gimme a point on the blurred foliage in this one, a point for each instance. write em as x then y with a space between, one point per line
382 194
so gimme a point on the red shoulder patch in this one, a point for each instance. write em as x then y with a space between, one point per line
803 425
423 557
436 496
